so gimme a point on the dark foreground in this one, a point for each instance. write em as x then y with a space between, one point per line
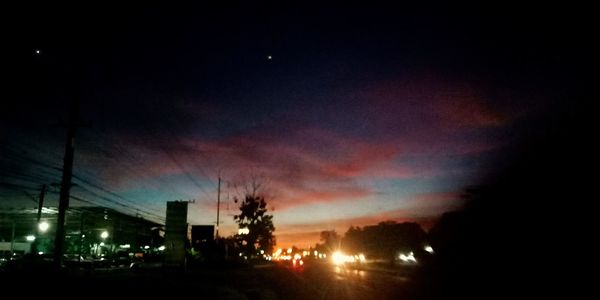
317 281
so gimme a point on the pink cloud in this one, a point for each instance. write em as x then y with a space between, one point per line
299 172
309 165
434 202
304 197
321 168
431 103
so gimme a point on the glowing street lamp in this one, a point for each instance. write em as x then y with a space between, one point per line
43 226
30 238
104 234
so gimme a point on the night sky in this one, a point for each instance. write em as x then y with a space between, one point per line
351 114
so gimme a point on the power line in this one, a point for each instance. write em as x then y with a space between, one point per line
118 203
193 158
164 149
16 186
88 182
98 204
24 176
183 170
21 188
149 215
28 178
34 161
126 154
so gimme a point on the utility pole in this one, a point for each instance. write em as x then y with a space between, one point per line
81 236
218 204
41 203
65 185
34 246
12 240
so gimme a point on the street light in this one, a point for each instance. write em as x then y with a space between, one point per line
30 238
104 234
428 249
43 227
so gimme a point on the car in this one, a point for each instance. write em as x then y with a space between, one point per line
101 262
78 262
30 263
148 263
3 263
298 263
121 258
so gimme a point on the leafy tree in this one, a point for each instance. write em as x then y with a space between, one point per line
331 240
253 216
353 240
385 239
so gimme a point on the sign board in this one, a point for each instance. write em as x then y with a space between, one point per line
176 229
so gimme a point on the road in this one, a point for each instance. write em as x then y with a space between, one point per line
326 281
314 281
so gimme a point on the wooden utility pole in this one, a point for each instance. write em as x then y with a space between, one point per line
34 246
41 204
218 205
65 187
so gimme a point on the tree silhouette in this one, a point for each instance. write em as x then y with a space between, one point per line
386 239
253 216
331 240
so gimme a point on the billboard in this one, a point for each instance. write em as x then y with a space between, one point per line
202 234
176 230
